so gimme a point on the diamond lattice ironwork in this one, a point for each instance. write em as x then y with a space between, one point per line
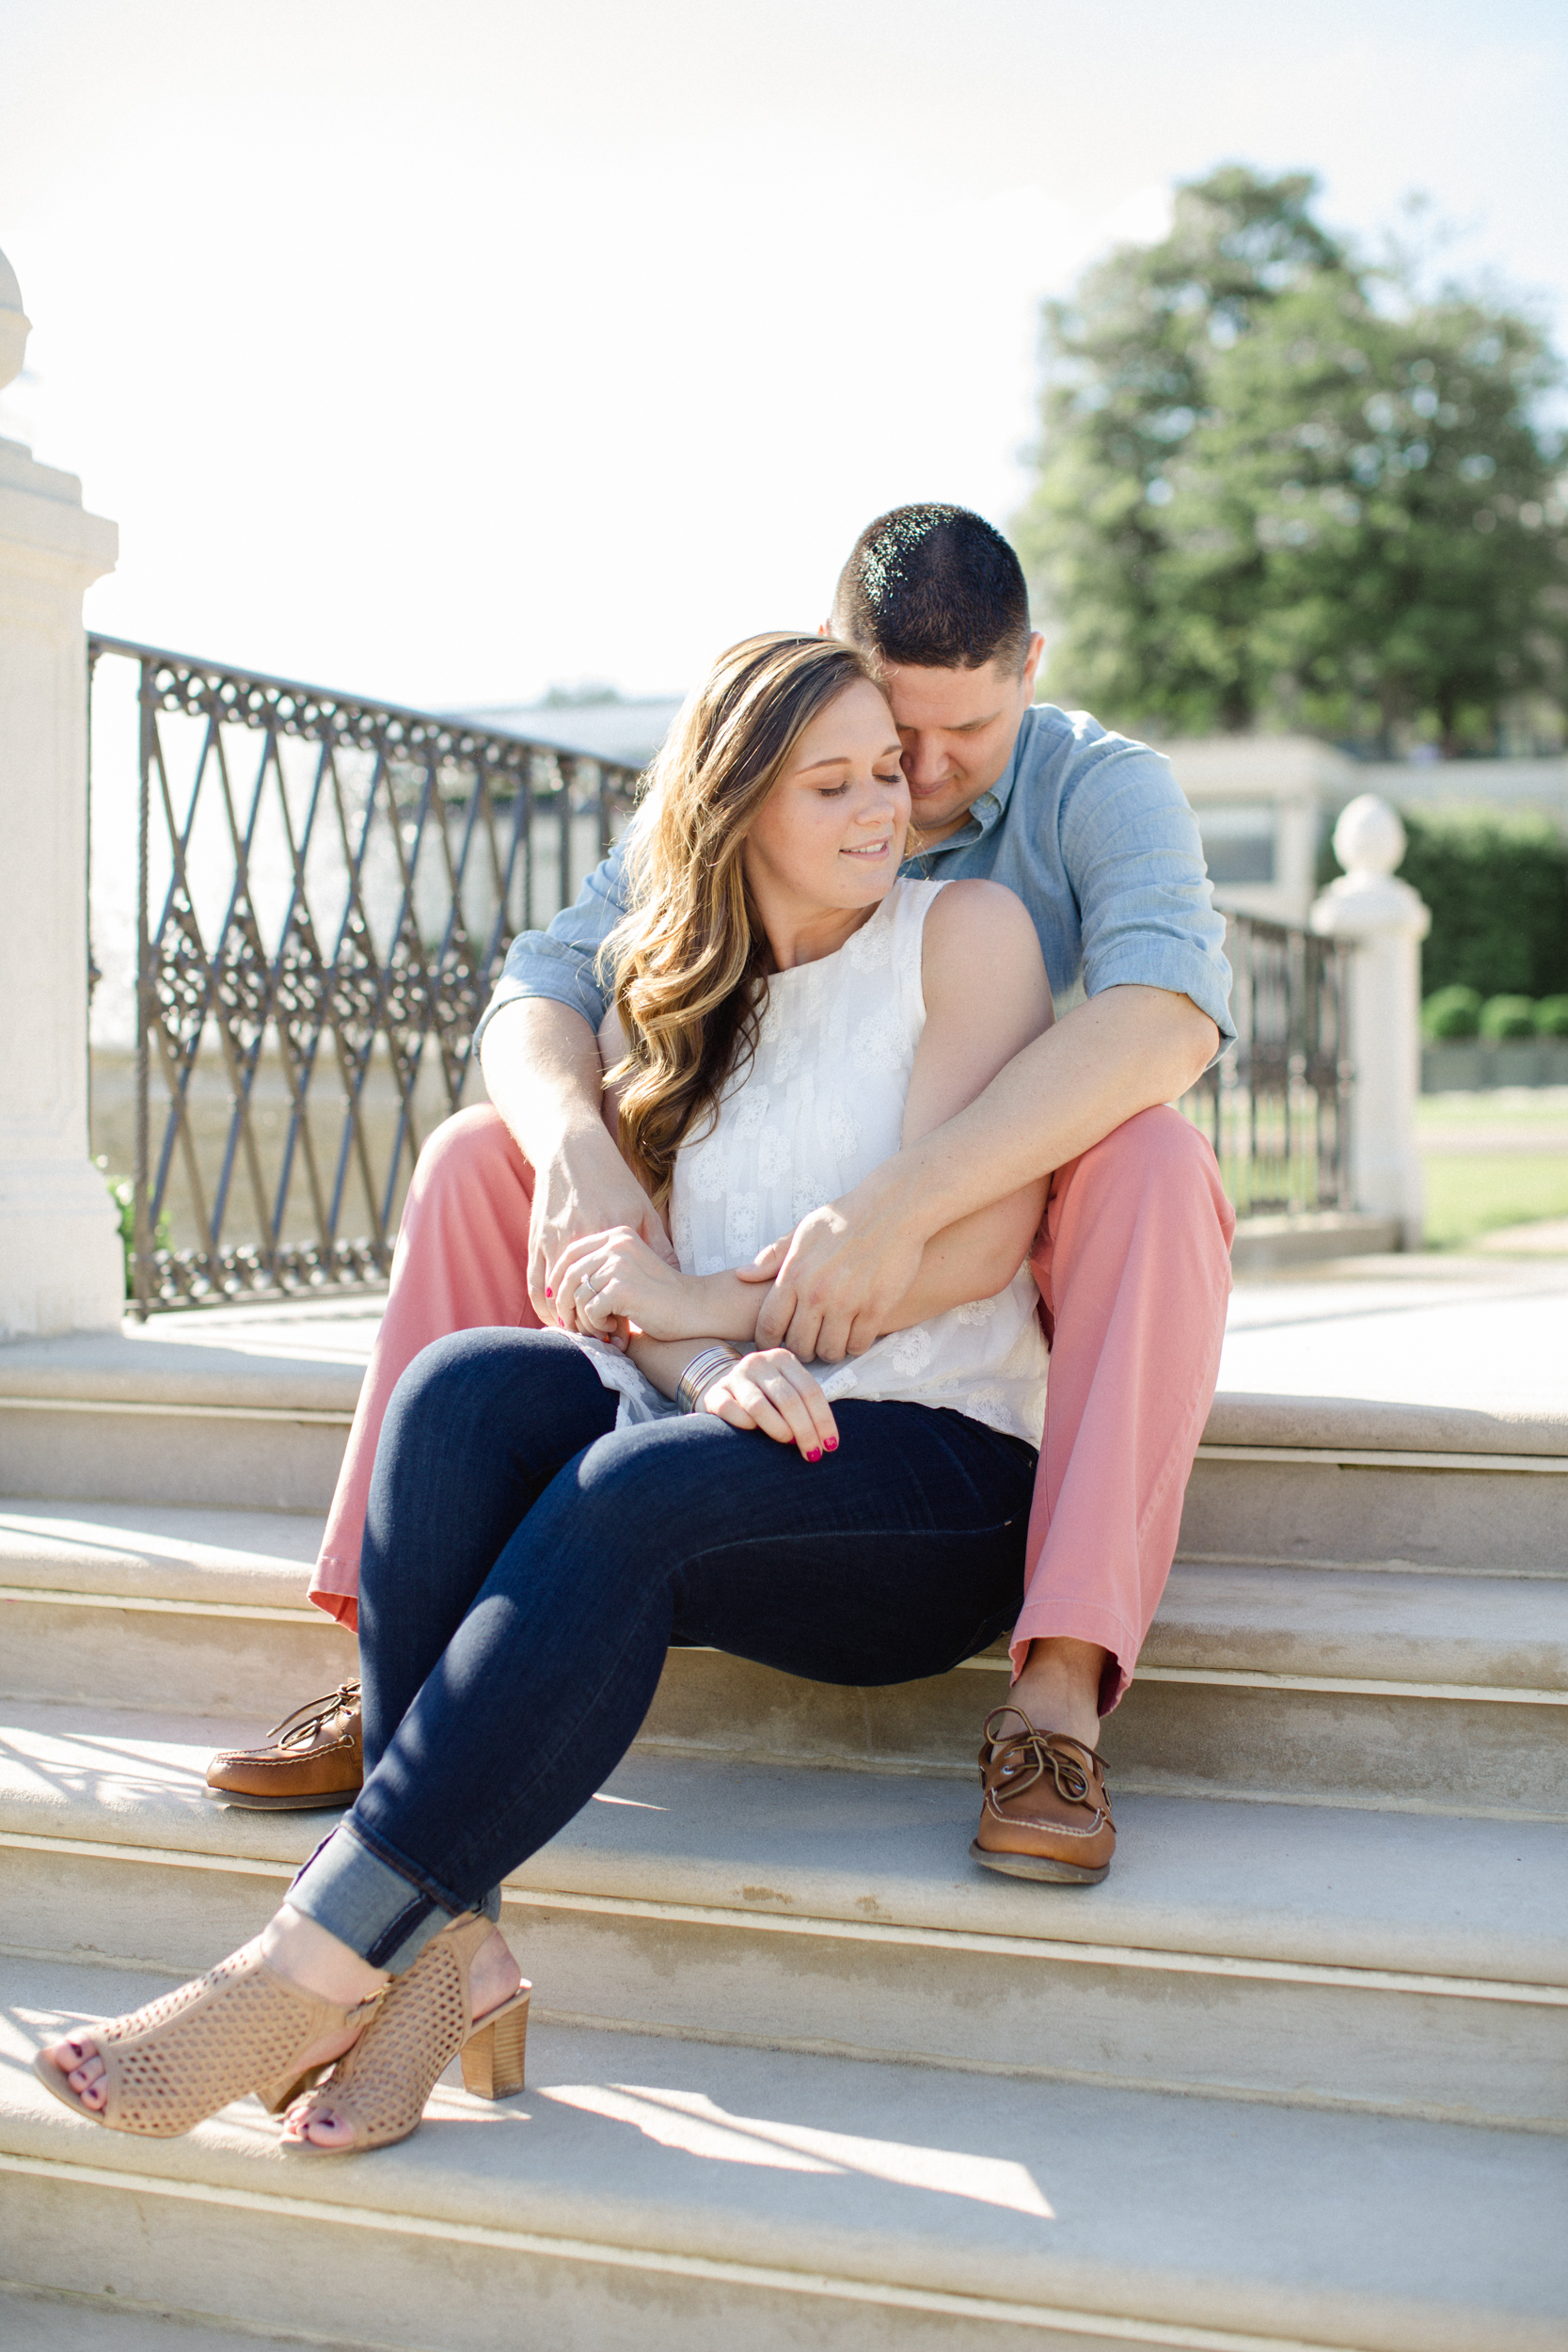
326 889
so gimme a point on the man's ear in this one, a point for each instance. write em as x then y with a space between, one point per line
1031 665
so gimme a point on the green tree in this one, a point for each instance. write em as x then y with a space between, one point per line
1278 485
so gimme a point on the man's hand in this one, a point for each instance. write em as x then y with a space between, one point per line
545 1074
839 1278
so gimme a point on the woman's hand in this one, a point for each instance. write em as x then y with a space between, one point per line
606 1282
770 1390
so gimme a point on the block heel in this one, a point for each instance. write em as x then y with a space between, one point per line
492 2057
426 2019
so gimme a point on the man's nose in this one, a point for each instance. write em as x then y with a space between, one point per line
925 760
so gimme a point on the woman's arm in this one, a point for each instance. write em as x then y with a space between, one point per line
766 1388
609 1282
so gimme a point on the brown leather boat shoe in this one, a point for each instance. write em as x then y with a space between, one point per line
1046 1813
314 1758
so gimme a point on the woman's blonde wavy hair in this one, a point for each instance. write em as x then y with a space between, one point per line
690 959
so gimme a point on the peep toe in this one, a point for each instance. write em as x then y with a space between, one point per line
426 2020
241 2028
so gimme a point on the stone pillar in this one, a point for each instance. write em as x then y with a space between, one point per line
1387 923
61 1264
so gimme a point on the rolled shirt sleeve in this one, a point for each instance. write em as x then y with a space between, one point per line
1131 844
562 962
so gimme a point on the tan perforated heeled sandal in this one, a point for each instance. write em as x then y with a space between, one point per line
241 2028
425 2021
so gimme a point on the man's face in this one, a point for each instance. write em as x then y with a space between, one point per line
958 728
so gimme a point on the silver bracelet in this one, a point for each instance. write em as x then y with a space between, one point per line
708 1365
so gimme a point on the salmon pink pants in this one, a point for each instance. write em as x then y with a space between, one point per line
1133 1267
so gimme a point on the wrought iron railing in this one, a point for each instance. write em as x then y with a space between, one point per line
1276 1110
325 889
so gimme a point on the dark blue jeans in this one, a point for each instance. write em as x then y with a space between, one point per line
527 1566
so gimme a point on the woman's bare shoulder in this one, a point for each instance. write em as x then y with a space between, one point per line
977 924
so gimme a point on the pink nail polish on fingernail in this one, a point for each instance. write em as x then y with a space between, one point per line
815 1454
831 1445
548 1293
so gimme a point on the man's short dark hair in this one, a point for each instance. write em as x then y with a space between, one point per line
934 588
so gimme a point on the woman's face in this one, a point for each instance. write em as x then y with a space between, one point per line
830 838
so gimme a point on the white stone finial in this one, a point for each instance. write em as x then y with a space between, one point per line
1384 922
1368 837
15 326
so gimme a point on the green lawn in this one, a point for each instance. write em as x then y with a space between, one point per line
1471 1190
1521 1109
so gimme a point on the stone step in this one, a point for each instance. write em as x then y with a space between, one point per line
1418 1966
259 1417
661 2194
188 1610
1415 1689
1353 1482
40 2319
234 1421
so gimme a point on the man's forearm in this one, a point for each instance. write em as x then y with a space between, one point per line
541 1069
1096 1066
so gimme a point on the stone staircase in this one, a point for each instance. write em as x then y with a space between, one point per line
1293 2078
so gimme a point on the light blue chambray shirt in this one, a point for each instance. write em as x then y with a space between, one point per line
1088 828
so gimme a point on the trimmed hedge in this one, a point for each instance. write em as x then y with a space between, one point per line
1452 1013
1459 1012
1497 887
1498 895
1508 1017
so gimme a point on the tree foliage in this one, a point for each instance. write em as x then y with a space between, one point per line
1278 485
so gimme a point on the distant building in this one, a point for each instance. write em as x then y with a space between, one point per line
630 732
1266 803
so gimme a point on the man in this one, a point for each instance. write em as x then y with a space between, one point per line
1092 833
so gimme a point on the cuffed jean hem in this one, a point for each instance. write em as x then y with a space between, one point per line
382 1913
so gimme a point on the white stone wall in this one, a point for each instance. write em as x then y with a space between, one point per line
61 1268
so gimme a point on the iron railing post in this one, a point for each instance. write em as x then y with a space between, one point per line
141 1222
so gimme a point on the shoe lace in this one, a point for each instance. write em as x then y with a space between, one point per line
298 1729
1022 1757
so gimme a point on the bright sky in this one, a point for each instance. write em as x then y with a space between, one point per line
445 352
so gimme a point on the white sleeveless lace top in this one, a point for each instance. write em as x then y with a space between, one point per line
820 1105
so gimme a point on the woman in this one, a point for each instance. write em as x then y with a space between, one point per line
551 1509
